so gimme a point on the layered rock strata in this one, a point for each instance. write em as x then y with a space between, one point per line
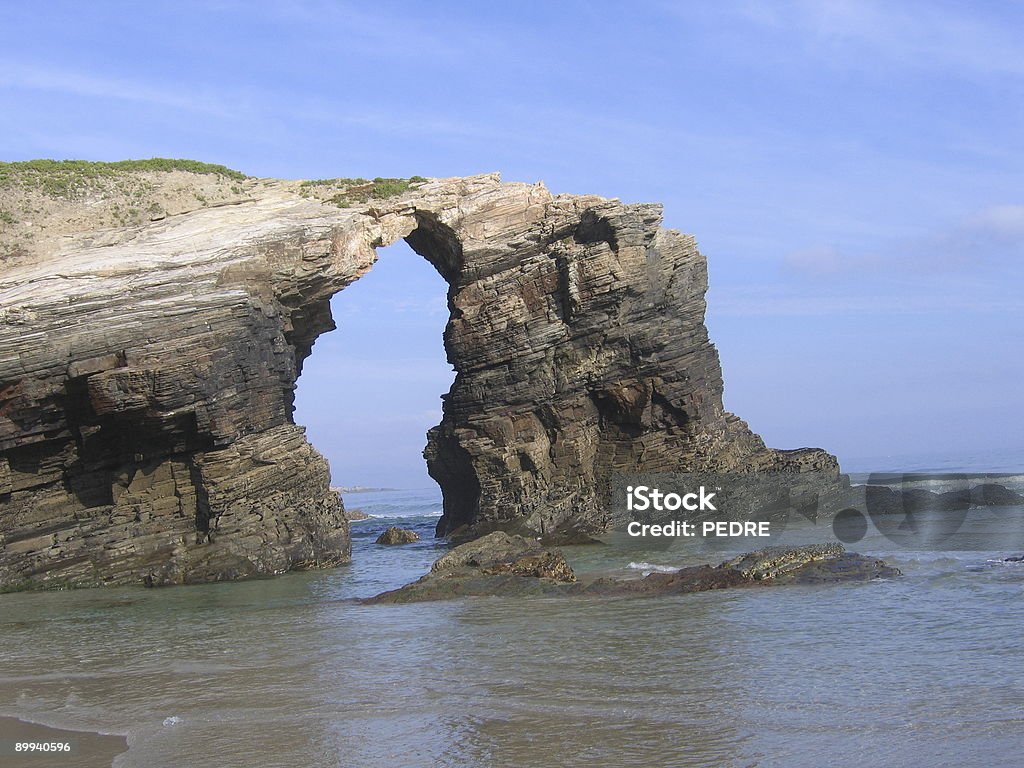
147 373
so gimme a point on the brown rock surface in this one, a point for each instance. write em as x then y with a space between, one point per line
394 535
147 371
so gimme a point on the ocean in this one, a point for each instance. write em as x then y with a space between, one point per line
922 670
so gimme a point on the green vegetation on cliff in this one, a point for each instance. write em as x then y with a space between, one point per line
65 178
361 190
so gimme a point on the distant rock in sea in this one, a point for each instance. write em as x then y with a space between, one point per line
395 535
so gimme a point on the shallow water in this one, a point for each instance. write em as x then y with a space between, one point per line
922 670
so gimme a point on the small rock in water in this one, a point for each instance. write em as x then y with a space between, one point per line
395 535
496 547
772 562
549 564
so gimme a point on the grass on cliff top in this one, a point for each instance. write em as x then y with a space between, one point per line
64 178
362 190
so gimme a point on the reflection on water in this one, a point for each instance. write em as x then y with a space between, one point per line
926 669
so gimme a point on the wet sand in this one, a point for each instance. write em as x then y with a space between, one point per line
88 750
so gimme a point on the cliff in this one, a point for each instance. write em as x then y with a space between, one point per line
154 320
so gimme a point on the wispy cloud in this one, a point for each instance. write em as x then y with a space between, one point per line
917 35
827 261
992 238
863 298
1002 222
76 83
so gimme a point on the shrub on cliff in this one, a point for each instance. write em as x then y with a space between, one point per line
64 178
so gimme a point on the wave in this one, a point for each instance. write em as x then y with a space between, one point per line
938 482
1002 561
652 568
391 511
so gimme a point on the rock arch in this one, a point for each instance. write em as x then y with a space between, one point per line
147 374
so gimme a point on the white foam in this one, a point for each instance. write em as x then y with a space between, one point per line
392 512
652 568
170 722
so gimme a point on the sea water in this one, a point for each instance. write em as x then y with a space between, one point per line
926 669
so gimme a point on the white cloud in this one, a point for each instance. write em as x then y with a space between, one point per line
33 77
870 34
992 238
255 106
923 35
999 221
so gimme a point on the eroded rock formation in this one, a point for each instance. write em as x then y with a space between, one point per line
147 374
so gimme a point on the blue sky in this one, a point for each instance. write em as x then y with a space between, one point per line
852 170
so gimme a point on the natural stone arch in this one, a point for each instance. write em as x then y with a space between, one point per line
147 378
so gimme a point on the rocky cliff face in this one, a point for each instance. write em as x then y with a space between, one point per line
147 371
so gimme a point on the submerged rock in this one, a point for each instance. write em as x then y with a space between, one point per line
772 562
503 553
548 564
995 495
498 563
395 535
884 500
503 564
571 536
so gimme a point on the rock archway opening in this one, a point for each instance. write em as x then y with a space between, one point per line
373 388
